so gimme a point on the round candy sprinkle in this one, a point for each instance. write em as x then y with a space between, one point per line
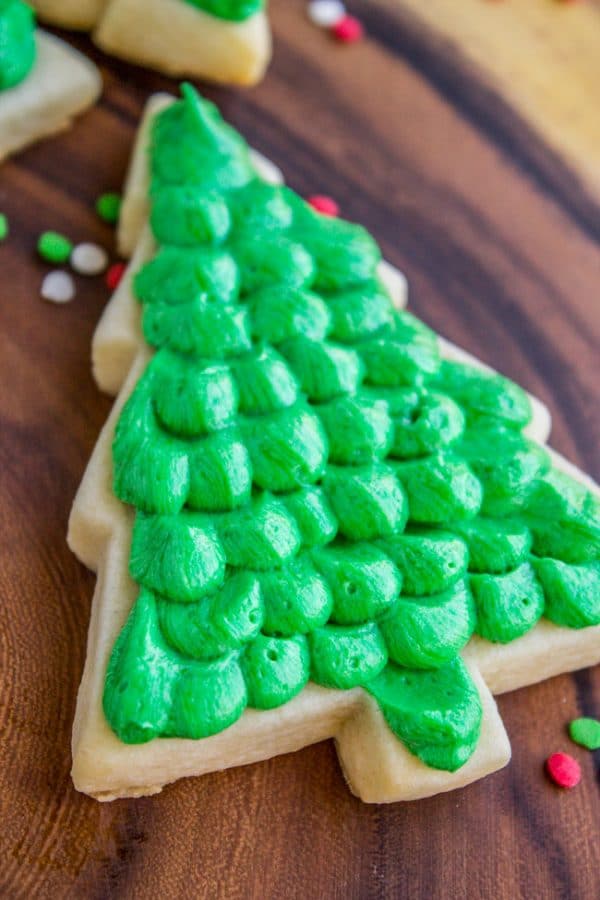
348 30
326 13
89 259
54 247
3 227
563 770
323 204
586 732
58 287
108 207
114 275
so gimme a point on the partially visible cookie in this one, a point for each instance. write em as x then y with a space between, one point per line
61 84
79 14
226 41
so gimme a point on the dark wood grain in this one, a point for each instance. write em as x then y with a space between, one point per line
500 244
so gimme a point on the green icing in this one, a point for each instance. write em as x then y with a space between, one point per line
367 500
359 311
423 422
275 669
179 275
277 314
177 556
494 545
426 632
235 10
507 605
564 519
260 535
430 561
288 448
17 42
506 464
297 598
183 216
323 370
572 592
207 698
215 625
151 689
363 581
358 428
440 488
319 495
436 713
346 656
484 397
264 382
313 515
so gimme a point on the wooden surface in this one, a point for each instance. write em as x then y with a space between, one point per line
544 55
501 246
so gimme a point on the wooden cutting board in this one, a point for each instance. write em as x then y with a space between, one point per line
543 56
501 247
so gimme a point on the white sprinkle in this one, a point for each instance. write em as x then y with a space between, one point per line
89 259
326 13
58 287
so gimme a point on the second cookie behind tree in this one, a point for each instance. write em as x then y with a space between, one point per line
227 41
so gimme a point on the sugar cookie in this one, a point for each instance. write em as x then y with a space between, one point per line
308 515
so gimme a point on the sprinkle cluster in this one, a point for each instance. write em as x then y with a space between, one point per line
332 14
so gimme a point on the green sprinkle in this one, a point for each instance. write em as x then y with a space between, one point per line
586 732
54 247
3 227
108 207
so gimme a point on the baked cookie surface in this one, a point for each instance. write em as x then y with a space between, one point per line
353 508
56 84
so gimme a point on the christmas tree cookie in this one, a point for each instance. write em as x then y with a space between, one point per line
310 517
221 40
44 83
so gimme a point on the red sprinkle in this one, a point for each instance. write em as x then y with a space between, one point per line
563 769
114 275
348 30
324 204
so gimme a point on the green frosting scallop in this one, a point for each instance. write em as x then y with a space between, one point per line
564 519
260 535
296 597
177 556
507 605
17 42
430 561
313 515
358 428
275 669
363 581
484 397
572 593
494 545
436 713
318 494
207 697
346 656
215 625
367 501
426 632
